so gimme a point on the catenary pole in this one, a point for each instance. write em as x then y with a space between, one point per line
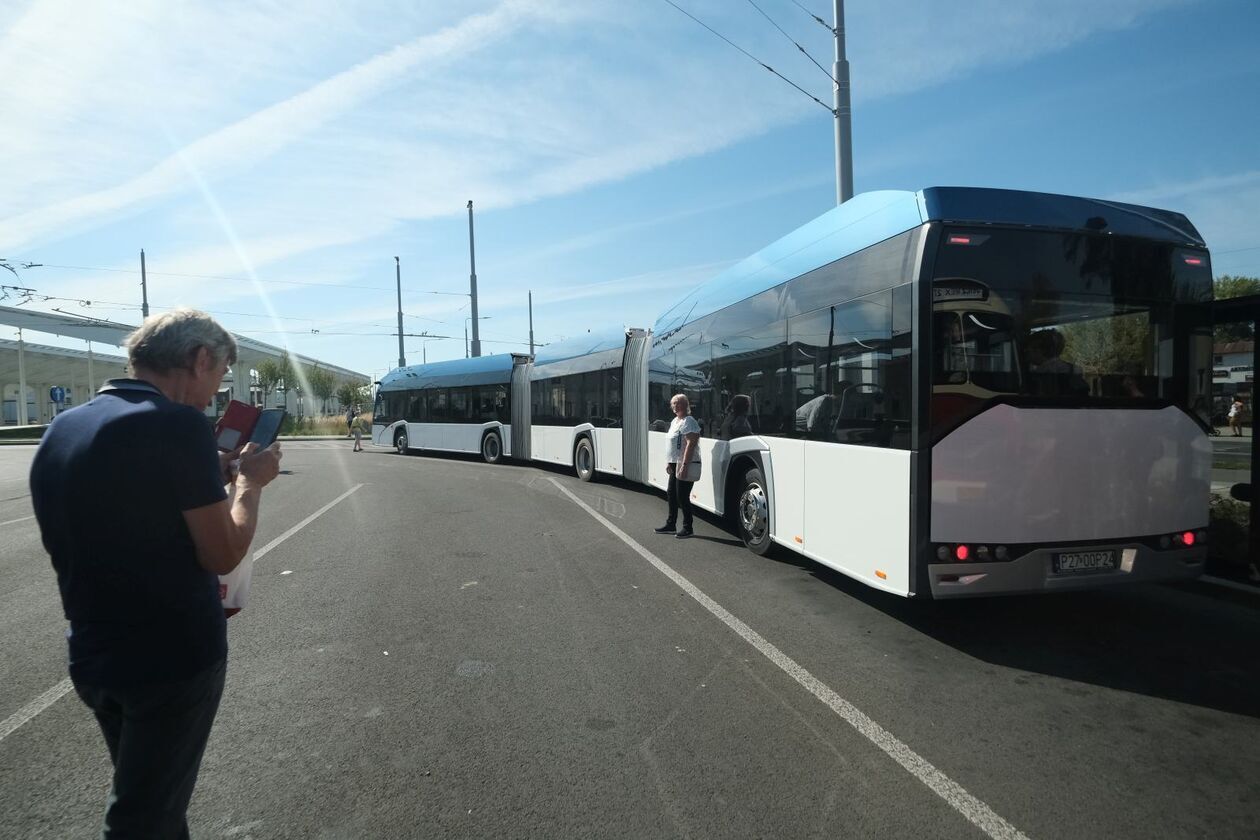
844 114
472 283
531 322
402 360
144 288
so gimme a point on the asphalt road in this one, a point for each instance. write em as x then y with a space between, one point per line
461 650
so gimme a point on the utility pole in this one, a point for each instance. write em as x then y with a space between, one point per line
472 283
844 114
402 360
144 288
531 322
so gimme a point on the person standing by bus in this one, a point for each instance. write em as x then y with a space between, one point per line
1235 416
356 429
682 465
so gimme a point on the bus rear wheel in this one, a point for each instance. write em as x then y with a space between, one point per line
584 459
752 513
491 448
400 441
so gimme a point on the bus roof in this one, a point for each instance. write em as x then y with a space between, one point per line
586 344
484 370
870 218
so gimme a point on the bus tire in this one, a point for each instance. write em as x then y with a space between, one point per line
584 459
752 513
400 442
492 448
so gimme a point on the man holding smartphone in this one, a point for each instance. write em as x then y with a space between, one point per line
129 493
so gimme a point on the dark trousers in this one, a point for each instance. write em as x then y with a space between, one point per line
679 497
156 735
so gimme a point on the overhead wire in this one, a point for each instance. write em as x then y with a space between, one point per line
804 51
830 110
821 22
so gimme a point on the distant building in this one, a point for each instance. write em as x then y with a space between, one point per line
1233 374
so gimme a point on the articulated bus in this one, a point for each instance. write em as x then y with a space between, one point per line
953 392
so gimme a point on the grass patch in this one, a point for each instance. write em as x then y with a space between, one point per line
22 432
320 426
1228 536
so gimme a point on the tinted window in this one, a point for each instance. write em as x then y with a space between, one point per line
883 266
848 381
754 364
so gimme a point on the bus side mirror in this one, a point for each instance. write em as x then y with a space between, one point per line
1241 492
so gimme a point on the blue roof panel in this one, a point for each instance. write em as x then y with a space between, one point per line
484 370
585 344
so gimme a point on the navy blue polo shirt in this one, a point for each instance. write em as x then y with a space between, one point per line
109 484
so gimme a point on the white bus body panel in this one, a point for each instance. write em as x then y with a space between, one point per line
446 437
857 506
553 444
657 445
1044 475
608 454
787 495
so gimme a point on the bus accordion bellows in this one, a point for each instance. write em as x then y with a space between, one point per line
953 392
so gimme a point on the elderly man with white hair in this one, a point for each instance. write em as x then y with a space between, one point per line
129 490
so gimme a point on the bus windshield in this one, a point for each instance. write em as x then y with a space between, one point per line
1069 319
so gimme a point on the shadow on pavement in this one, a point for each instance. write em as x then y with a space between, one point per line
1180 642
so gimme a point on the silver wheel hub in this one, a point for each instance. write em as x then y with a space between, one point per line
584 460
754 513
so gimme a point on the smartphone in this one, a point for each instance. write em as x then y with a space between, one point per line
267 429
235 426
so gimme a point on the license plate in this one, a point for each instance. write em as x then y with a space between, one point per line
1085 561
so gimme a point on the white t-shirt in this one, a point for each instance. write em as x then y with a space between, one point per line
678 431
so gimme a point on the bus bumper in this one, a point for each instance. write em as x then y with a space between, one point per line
1034 572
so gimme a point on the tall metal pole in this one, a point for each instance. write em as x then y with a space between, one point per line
144 287
844 115
472 283
465 338
402 360
531 322
22 417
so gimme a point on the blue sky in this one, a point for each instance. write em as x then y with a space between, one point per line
617 153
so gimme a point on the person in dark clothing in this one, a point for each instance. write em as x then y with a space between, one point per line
129 494
735 423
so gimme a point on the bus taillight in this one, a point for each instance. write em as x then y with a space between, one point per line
962 552
1188 538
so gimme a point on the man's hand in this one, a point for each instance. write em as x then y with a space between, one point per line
669 469
225 464
260 466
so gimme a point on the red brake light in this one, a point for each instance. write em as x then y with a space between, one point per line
962 552
1193 261
1188 538
960 240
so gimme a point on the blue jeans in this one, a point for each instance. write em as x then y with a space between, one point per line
156 735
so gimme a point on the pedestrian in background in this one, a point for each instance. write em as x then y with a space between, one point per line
1235 416
129 493
356 429
349 421
683 465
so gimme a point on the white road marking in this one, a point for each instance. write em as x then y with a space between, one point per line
258 555
12 723
16 521
980 814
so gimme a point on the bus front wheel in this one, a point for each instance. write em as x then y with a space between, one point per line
584 459
400 441
491 448
752 513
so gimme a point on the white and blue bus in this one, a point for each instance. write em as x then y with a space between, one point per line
953 392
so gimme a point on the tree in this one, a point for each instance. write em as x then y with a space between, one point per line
1231 286
270 374
351 395
1120 344
323 385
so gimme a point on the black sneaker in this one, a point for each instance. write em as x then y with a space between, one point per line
665 529
683 534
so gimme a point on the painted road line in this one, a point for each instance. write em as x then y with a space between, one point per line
980 814
52 695
15 521
14 721
258 555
